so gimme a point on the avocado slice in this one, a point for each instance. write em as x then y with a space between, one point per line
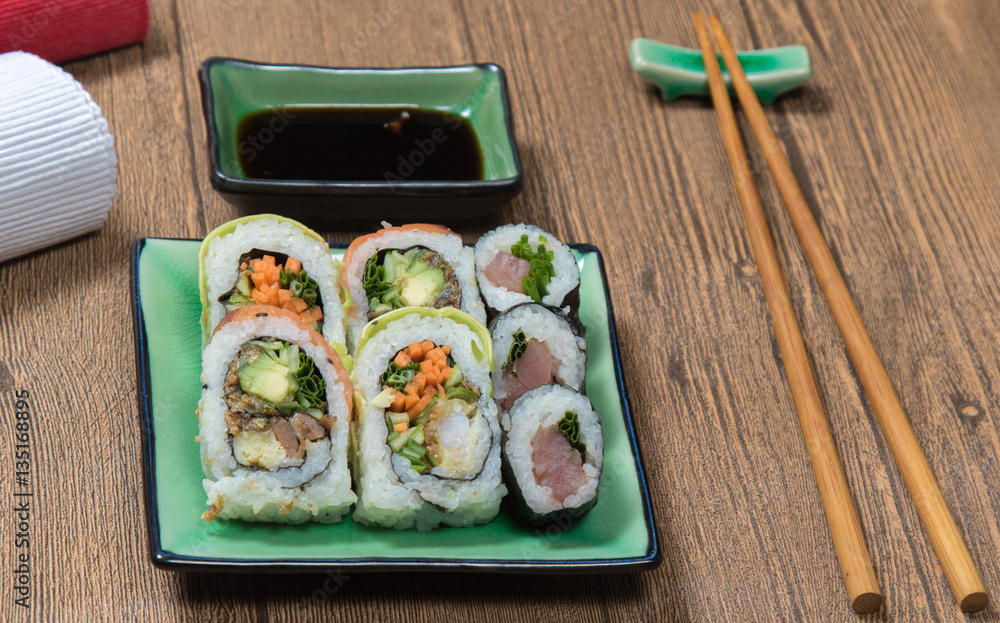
269 380
421 288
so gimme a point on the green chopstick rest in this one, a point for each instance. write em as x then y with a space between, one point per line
680 71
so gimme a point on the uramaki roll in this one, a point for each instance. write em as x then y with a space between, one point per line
270 260
411 265
553 454
274 421
428 438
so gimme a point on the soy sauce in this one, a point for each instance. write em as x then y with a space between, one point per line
392 144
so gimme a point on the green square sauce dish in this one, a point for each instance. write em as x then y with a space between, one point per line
327 145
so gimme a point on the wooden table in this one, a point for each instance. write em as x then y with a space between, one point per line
894 142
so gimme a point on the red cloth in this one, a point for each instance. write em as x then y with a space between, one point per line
58 30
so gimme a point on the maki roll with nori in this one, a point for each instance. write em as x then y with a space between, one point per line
535 345
522 263
553 454
417 265
274 421
274 261
427 435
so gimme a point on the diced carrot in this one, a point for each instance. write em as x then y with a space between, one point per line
317 314
259 296
445 373
446 349
416 351
421 380
415 410
284 296
289 307
258 279
401 427
426 366
299 305
402 359
438 376
410 401
411 388
308 316
427 345
398 399
272 296
243 266
293 265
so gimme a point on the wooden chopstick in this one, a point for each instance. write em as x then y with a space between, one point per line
841 514
912 463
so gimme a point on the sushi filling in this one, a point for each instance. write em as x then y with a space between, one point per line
276 406
275 279
529 365
524 270
433 414
413 277
557 456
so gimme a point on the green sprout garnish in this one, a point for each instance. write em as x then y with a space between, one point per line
517 348
569 426
540 272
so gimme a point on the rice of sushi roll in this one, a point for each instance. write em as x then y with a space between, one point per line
427 435
553 454
270 260
274 421
522 263
535 345
417 265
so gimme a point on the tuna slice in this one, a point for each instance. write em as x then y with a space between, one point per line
535 368
558 465
506 271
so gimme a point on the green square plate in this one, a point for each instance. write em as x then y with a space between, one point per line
617 535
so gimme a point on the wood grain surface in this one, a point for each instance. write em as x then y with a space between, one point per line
894 144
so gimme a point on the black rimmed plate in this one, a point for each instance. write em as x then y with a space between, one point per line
617 535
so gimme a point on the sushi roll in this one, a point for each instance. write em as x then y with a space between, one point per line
413 265
427 435
553 454
535 345
522 263
274 421
275 261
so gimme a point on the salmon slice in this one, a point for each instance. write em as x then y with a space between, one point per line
557 465
506 271
535 368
